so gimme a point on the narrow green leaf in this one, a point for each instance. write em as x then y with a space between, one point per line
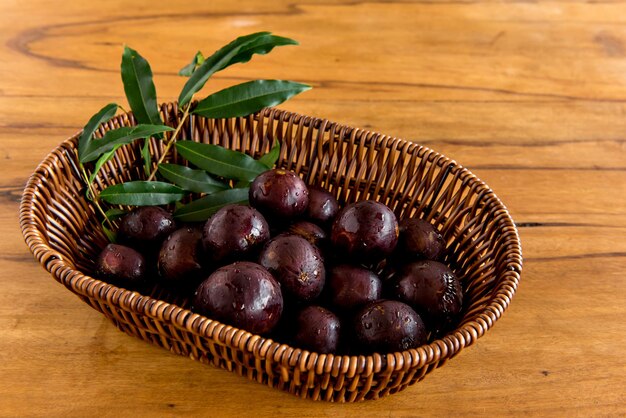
202 209
220 161
188 69
261 46
139 87
269 159
115 213
189 179
111 215
146 156
216 62
246 98
103 115
111 235
142 193
101 161
120 136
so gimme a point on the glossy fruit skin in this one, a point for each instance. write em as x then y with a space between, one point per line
146 226
279 194
242 294
365 231
296 264
309 231
317 330
388 326
352 286
420 240
121 265
234 232
180 255
323 206
431 288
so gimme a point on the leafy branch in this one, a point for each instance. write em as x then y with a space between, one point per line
221 176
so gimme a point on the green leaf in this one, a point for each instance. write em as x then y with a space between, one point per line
142 193
111 215
269 159
139 87
115 213
120 136
147 157
261 46
189 179
246 98
188 69
103 115
220 161
111 235
101 161
216 62
202 209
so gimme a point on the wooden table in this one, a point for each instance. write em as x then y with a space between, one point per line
530 97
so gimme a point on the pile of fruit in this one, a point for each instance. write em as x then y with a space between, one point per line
294 266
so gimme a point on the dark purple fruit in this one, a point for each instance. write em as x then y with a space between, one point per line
235 231
242 294
309 231
351 287
431 288
365 231
180 255
146 226
323 206
317 330
121 265
296 264
420 240
279 194
388 326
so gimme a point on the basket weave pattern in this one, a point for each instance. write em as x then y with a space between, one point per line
61 228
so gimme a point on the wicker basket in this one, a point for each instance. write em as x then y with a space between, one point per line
61 228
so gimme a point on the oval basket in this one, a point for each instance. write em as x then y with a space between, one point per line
60 227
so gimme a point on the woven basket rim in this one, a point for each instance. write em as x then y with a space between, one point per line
438 350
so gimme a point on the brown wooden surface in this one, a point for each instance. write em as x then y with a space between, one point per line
530 96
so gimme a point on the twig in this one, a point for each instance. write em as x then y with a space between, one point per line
171 141
94 197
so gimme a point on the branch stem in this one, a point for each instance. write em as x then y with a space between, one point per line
170 142
95 199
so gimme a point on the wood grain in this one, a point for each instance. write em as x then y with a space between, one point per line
529 96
